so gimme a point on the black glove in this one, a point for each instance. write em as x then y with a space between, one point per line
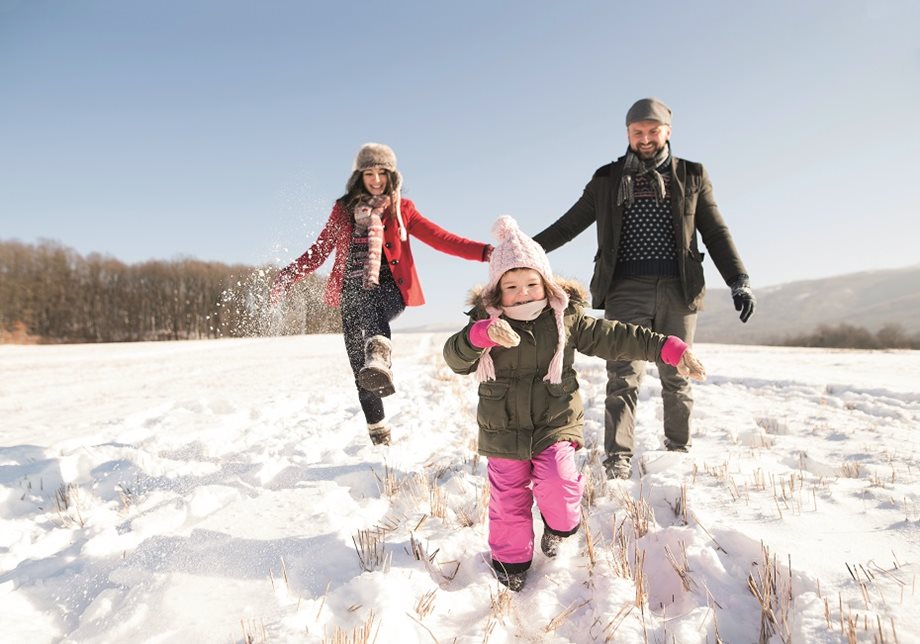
743 297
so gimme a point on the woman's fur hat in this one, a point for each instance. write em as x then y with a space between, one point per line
378 155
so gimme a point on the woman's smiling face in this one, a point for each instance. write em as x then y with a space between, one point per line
375 180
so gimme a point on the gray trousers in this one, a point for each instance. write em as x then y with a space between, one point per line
657 303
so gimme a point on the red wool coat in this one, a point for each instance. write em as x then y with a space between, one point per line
336 236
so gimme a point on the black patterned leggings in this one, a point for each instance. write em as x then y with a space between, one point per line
365 313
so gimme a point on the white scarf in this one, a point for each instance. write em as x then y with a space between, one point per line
525 312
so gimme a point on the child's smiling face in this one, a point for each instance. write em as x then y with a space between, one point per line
520 286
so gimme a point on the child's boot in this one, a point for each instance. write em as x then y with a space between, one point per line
379 433
513 580
376 376
549 544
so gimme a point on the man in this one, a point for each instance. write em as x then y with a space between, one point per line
649 206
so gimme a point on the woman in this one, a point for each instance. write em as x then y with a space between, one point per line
373 275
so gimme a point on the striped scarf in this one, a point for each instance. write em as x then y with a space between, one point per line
369 213
635 167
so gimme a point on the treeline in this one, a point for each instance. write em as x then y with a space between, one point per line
847 336
50 293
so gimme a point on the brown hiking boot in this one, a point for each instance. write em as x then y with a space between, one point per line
376 376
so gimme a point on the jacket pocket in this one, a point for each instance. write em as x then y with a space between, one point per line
492 412
563 403
496 435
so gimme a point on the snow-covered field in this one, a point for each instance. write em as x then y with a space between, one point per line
225 491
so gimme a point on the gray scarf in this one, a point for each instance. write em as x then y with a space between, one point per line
635 167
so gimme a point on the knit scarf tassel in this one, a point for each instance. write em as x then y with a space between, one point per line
485 370
399 222
558 302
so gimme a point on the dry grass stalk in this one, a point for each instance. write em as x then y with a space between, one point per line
774 604
371 554
680 505
490 626
559 619
639 513
419 552
249 632
620 549
425 604
416 488
428 630
500 604
639 579
612 626
67 499
466 517
759 482
682 567
484 495
589 539
850 470
125 496
390 483
696 519
389 523
469 516
449 577
595 479
359 634
323 602
715 617
438 499
718 472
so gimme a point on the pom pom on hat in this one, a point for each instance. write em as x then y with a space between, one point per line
514 250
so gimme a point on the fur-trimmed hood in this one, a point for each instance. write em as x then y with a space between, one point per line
578 295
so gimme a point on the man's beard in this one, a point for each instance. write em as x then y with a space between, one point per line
645 156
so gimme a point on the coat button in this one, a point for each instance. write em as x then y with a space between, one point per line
399 281
388 245
394 262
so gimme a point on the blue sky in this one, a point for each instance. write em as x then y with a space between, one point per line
225 130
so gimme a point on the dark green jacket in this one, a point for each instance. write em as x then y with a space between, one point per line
519 414
693 209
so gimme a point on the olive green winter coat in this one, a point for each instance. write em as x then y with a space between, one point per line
519 414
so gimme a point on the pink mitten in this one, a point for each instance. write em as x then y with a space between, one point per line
493 332
690 366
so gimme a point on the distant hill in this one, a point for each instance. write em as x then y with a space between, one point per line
869 299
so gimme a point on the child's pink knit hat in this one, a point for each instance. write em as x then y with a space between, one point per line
516 250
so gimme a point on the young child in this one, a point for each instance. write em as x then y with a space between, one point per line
373 277
520 341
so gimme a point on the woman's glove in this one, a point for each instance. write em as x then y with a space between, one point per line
493 332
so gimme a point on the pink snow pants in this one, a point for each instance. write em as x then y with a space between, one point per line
551 478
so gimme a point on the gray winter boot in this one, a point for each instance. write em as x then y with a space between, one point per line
513 580
379 433
549 544
376 375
